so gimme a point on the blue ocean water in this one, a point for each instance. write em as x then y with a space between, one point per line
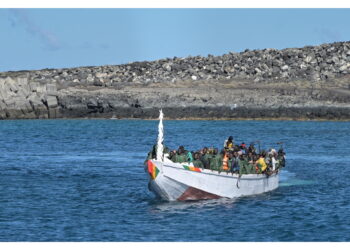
83 180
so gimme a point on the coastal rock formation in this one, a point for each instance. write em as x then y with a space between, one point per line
311 82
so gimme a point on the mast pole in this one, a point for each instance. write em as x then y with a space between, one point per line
160 137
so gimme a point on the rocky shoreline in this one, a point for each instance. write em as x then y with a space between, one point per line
297 83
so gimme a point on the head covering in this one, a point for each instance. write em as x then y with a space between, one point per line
230 138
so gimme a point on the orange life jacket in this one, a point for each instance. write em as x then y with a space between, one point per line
225 162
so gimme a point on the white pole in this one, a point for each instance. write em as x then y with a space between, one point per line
160 137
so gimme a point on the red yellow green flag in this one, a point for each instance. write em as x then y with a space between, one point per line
192 168
152 169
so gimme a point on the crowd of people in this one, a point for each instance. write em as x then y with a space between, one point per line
233 158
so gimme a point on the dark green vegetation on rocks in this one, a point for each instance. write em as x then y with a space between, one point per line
297 83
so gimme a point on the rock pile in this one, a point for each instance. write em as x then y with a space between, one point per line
47 93
315 63
22 99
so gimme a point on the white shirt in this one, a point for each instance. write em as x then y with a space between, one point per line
273 163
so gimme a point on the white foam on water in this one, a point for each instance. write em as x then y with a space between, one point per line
288 179
182 206
319 158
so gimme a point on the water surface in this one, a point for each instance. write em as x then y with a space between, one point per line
83 180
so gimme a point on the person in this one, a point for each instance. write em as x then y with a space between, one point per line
250 157
260 163
205 158
244 148
153 153
252 149
244 166
281 158
225 161
215 161
180 155
250 167
235 162
229 143
274 162
197 162
189 156
171 155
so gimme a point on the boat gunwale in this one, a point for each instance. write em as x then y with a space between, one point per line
222 173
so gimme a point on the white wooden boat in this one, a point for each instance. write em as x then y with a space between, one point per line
183 181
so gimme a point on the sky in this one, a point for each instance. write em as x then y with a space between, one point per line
62 38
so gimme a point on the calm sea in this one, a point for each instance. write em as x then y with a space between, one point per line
83 180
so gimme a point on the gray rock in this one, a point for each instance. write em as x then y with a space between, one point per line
52 101
75 88
285 67
308 59
11 84
22 81
51 89
344 67
33 86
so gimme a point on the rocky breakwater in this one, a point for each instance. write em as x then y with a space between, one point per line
310 82
21 98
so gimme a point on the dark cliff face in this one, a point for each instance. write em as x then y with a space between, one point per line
310 82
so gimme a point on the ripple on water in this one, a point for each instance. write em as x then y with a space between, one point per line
83 180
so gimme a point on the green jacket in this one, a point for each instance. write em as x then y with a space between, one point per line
198 164
181 158
250 168
216 162
246 168
243 167
229 164
205 160
174 158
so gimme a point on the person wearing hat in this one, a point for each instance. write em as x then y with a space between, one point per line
229 143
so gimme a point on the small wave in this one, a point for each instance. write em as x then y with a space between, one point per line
180 206
288 179
297 182
319 158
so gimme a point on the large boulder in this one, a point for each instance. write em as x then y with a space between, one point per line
51 101
51 89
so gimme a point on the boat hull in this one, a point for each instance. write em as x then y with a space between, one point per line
174 181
